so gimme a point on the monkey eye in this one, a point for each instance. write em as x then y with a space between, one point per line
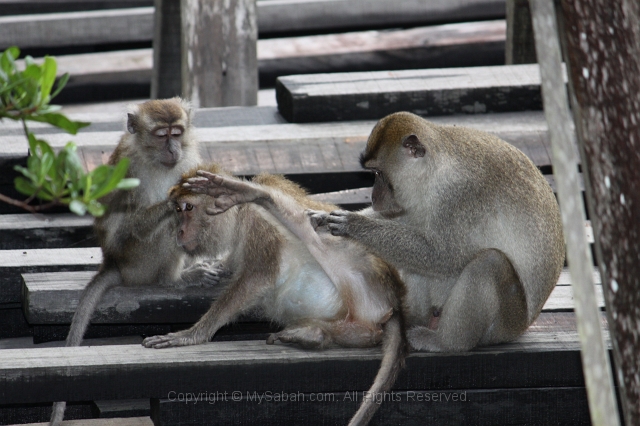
178 209
175 131
188 207
161 132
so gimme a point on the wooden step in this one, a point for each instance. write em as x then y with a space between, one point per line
247 149
51 298
62 230
439 46
372 95
125 421
136 24
13 263
547 355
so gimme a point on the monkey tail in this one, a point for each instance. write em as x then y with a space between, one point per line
394 351
105 279
58 413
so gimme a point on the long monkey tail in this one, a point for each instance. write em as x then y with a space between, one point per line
394 350
101 282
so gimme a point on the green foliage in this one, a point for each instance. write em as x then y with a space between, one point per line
54 178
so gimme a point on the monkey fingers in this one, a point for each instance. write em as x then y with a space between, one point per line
181 338
307 337
337 221
317 218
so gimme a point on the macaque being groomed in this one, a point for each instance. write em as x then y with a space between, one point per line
137 231
325 290
469 222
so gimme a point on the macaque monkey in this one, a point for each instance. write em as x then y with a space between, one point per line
325 290
469 222
137 231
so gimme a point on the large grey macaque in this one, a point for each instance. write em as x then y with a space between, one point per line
469 221
137 231
325 290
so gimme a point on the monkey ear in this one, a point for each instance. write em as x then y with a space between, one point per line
414 146
131 123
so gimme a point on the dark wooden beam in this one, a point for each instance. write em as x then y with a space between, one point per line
603 52
372 95
545 356
520 46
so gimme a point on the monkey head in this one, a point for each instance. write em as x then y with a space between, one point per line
198 229
162 128
397 154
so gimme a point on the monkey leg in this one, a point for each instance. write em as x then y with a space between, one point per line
486 305
241 295
309 337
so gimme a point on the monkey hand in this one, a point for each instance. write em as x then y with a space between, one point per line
318 219
202 274
227 192
181 338
338 222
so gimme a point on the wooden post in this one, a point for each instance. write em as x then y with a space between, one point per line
595 360
166 81
219 54
519 47
603 52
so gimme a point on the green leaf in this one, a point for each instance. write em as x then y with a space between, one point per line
49 70
96 208
128 183
78 207
60 121
24 187
61 83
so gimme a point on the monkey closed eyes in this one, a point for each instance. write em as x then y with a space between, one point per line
137 232
325 290
469 221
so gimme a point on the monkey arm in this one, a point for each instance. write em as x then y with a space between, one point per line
146 222
392 241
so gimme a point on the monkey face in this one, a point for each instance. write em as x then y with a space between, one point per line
188 231
168 141
382 196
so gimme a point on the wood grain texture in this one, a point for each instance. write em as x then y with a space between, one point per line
136 24
540 406
13 263
372 95
166 77
51 298
544 357
219 53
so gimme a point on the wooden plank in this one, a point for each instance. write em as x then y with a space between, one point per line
166 76
127 421
51 298
372 95
22 7
123 408
35 413
136 24
439 46
547 356
542 406
520 47
219 59
314 15
77 28
13 263
452 45
46 231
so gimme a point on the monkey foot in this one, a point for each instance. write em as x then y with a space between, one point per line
307 337
181 338
424 339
